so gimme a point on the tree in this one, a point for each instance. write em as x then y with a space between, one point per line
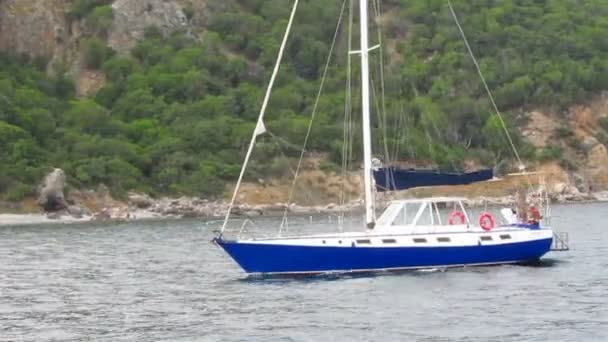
100 20
96 53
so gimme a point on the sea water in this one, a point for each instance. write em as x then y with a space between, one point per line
165 281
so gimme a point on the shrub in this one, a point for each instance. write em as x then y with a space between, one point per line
550 153
100 20
18 192
189 11
81 8
576 143
563 132
96 53
279 167
603 121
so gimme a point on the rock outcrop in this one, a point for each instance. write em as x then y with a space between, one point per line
141 201
132 18
52 199
50 191
597 166
37 28
43 27
540 129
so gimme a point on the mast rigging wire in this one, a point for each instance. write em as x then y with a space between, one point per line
313 115
487 88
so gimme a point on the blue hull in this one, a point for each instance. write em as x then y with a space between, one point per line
277 259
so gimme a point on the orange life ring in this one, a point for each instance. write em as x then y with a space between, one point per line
456 214
487 221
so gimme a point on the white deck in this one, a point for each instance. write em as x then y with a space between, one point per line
416 223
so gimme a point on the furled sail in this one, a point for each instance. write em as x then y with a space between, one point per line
392 178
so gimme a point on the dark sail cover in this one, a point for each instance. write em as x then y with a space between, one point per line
392 178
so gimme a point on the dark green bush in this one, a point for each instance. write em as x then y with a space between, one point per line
81 8
551 152
96 53
604 123
18 192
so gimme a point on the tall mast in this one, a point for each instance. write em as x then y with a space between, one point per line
367 139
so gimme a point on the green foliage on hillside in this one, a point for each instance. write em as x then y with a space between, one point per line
177 113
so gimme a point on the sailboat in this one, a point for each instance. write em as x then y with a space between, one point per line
409 234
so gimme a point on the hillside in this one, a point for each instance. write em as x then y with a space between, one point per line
160 96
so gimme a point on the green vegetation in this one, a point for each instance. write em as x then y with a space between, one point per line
176 115
604 123
96 53
81 8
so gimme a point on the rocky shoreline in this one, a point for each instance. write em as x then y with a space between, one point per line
143 207
98 205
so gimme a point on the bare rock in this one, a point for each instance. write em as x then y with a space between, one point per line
589 142
141 201
597 165
253 213
54 215
103 191
77 211
601 196
132 18
51 196
540 129
559 188
74 196
35 27
103 215
579 183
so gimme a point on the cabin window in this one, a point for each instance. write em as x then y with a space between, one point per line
443 239
486 238
419 240
324 241
366 241
389 241
339 241
505 237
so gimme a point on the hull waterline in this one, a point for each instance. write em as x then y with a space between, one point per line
269 259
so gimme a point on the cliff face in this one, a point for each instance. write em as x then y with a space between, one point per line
43 27
36 27
131 18
579 135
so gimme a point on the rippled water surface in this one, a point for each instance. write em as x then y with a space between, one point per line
164 281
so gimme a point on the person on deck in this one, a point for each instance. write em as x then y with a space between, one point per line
535 216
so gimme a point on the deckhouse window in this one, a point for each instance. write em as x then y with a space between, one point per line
389 241
419 240
361 242
443 239
505 237
486 238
